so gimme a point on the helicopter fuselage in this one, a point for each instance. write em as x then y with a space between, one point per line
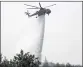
42 11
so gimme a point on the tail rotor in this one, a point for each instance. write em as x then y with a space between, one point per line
27 13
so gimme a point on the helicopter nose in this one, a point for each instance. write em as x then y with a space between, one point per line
48 11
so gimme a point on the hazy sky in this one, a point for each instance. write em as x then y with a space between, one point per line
63 30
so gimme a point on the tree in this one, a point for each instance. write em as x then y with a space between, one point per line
26 60
21 60
57 65
62 65
5 63
68 65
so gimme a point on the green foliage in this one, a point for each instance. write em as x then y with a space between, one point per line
21 60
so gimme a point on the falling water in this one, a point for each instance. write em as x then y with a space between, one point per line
40 37
33 36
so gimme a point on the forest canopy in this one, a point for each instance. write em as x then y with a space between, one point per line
27 60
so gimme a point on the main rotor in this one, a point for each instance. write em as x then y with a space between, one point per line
35 7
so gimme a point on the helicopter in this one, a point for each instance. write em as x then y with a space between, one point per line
42 10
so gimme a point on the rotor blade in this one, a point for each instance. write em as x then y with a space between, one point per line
39 4
31 6
50 5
